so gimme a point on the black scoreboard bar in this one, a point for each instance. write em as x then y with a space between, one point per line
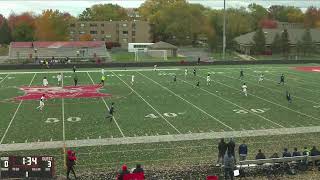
27 167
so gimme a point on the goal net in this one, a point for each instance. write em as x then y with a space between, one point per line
151 55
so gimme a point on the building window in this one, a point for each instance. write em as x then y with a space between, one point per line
81 32
133 33
139 46
82 25
133 40
125 40
124 25
133 25
102 25
72 25
108 36
125 32
102 39
71 32
93 25
102 32
93 32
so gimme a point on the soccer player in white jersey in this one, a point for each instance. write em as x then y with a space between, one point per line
186 73
59 77
132 79
45 82
102 71
261 78
244 89
208 79
155 67
41 105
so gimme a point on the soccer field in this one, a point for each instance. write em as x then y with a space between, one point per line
155 109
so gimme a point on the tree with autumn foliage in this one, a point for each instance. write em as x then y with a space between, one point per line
52 25
85 37
22 26
104 12
312 17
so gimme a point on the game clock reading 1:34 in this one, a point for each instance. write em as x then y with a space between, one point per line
27 167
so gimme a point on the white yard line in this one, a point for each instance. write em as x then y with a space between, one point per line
108 108
4 78
63 123
157 139
216 119
277 90
234 104
148 104
301 113
15 113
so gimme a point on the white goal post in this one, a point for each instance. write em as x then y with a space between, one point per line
150 55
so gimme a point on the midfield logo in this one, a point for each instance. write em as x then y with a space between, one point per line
36 92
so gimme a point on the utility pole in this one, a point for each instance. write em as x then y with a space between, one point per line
224 30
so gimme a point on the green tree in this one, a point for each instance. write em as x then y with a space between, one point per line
5 34
104 12
285 43
307 43
258 13
276 44
259 41
23 32
282 13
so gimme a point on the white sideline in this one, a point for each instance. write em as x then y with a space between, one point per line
148 104
64 71
156 139
15 113
108 108
216 119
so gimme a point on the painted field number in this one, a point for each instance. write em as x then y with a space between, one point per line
167 114
260 111
70 119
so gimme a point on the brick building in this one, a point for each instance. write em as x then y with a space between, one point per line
123 32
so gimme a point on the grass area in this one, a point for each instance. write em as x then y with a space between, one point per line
122 56
229 56
281 57
156 106
4 51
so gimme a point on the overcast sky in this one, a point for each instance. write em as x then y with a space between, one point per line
76 7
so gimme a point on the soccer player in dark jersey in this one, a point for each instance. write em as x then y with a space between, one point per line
281 79
75 79
74 69
194 72
111 111
288 95
175 78
241 74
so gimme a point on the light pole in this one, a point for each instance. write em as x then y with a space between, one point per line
224 30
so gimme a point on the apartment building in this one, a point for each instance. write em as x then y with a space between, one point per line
123 32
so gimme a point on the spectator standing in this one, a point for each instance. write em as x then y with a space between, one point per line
138 169
231 148
228 166
296 152
243 151
286 153
260 155
222 148
71 161
314 151
124 171
306 152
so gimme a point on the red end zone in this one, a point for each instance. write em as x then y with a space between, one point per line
308 68
35 92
